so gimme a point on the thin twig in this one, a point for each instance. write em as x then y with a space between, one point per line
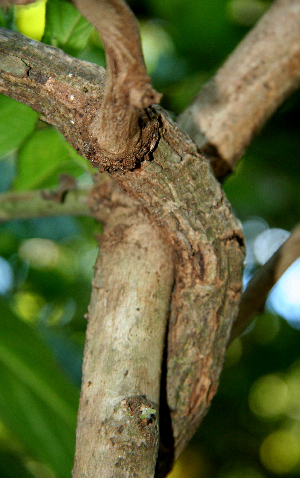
254 298
33 204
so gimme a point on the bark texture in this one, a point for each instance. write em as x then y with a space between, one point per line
175 186
118 431
128 89
191 226
181 194
255 79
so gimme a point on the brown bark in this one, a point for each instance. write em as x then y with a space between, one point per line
176 187
255 79
128 89
15 2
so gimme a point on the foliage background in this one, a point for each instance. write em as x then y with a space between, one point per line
46 264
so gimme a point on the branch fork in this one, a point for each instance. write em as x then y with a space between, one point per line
180 194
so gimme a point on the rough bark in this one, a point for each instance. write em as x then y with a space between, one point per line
65 91
15 2
174 186
178 190
128 91
255 79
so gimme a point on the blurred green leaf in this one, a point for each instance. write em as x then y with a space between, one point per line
44 156
65 27
37 403
17 121
7 17
203 33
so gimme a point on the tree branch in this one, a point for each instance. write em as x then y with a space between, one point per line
178 191
15 2
128 88
29 204
256 78
66 92
117 432
254 298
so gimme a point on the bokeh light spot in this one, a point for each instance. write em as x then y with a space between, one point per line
280 451
267 242
6 276
269 396
27 306
41 253
285 295
234 352
156 42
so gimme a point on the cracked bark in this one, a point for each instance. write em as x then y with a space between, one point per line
177 189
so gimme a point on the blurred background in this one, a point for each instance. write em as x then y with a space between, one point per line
46 265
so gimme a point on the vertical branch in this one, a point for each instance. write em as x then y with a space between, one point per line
117 432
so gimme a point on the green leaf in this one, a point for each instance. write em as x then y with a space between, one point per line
65 27
17 121
37 402
43 157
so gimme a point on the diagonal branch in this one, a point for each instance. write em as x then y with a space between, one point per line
256 78
254 298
